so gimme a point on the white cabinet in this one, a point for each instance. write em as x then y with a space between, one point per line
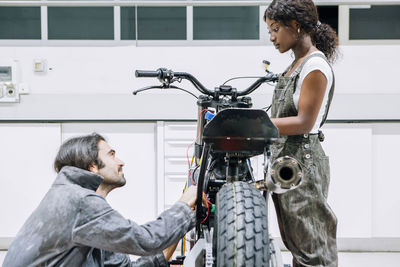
363 190
350 194
177 142
27 153
386 182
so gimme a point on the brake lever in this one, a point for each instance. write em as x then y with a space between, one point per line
163 86
148 88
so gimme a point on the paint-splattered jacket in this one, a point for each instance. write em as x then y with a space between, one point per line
74 226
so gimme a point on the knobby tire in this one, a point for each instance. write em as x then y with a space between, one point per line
241 227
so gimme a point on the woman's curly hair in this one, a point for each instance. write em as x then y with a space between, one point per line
306 14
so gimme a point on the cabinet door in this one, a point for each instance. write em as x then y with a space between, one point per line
349 148
178 149
27 153
386 181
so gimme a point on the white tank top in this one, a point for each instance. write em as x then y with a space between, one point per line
315 63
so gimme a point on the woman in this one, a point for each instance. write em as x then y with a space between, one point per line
300 105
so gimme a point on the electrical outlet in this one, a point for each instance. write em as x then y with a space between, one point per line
10 82
9 93
10 89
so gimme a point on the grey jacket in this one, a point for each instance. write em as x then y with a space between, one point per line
74 226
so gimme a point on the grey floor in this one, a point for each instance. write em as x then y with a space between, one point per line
361 259
346 259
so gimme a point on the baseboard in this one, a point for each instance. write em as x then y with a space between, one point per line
344 244
374 244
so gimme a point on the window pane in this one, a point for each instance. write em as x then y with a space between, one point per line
329 15
128 23
81 23
154 23
162 23
20 23
377 22
226 23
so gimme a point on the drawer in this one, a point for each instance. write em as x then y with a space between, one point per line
176 165
180 131
178 148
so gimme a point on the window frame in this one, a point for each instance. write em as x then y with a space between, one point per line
40 23
263 36
344 30
106 9
343 23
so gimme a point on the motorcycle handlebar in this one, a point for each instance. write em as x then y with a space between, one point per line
147 73
270 77
196 83
167 76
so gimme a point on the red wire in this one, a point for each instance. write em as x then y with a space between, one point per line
208 212
208 208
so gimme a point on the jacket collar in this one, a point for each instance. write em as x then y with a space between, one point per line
81 177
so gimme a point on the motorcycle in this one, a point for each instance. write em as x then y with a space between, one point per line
233 229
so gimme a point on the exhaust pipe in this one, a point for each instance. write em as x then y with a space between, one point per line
284 174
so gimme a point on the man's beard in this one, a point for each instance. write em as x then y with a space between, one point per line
122 181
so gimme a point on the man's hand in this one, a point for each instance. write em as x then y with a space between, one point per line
190 196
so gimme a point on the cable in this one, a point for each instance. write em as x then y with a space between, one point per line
208 211
187 150
183 245
242 77
189 164
267 108
178 88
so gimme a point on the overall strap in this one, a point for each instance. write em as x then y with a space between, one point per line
296 74
330 94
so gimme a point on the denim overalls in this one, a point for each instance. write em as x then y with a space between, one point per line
306 222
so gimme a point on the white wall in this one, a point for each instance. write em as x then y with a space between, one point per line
362 69
91 77
363 192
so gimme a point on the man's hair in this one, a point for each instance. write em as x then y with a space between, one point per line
79 152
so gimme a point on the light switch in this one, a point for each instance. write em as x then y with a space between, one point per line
39 65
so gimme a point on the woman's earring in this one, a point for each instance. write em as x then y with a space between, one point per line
298 30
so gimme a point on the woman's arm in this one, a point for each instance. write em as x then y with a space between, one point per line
310 101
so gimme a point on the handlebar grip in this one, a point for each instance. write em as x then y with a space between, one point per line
147 73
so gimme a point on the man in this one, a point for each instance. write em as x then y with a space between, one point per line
75 226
